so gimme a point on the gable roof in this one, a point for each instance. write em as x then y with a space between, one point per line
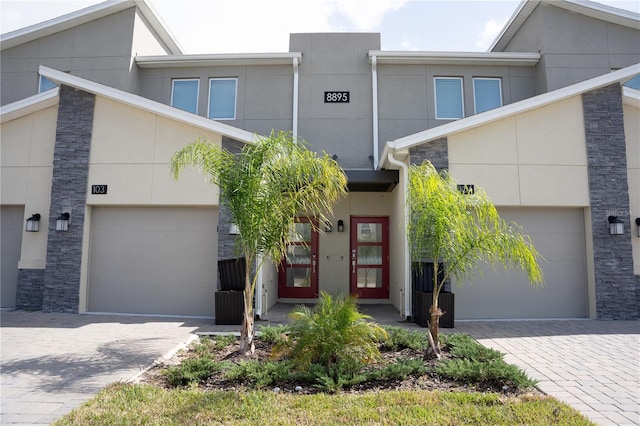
91 13
464 124
583 7
43 100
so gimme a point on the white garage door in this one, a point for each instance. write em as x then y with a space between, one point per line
11 224
153 260
558 234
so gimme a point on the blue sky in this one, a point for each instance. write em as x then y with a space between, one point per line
225 26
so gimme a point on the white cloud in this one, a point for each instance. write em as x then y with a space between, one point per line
366 15
489 33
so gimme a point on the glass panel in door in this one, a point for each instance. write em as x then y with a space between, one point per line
370 257
298 272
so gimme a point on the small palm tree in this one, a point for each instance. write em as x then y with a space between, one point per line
461 230
333 332
265 187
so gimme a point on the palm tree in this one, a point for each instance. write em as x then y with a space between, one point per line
265 187
460 230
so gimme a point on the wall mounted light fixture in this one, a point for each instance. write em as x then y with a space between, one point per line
33 223
638 225
233 229
328 226
62 222
616 226
341 225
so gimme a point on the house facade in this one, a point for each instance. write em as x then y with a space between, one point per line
95 103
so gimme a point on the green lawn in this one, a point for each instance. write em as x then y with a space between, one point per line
124 404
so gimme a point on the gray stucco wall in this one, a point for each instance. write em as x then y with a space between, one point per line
99 50
68 193
616 285
574 47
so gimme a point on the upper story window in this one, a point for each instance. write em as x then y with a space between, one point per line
222 98
449 102
487 94
45 84
184 94
634 83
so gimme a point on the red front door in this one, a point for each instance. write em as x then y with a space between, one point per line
298 272
369 257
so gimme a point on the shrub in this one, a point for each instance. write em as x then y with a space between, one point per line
462 346
400 338
259 374
274 334
333 332
334 378
207 344
192 370
472 371
399 370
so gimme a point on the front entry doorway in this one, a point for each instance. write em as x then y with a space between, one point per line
298 272
369 248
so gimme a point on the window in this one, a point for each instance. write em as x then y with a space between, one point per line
487 94
184 94
449 103
222 98
45 84
634 83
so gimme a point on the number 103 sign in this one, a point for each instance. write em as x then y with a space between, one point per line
336 97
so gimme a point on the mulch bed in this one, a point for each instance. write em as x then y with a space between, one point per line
431 381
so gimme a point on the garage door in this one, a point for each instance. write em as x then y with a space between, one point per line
11 224
153 260
558 234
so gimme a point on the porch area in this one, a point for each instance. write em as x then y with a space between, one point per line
383 314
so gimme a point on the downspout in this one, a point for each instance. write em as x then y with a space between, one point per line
294 126
258 290
407 258
374 93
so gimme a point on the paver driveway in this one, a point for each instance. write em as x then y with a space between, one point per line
51 363
594 366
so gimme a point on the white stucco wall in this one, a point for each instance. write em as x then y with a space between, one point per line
537 158
632 135
27 167
131 152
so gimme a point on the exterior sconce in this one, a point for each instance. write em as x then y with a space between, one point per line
616 226
33 223
638 225
328 226
340 225
233 229
62 222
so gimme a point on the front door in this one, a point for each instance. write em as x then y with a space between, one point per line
298 272
370 257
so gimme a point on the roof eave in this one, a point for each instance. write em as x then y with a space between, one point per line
29 105
88 14
455 58
208 60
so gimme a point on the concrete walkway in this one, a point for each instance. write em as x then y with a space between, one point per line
51 363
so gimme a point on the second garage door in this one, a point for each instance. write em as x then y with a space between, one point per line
558 234
153 260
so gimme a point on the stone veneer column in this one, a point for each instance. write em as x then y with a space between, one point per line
435 151
609 193
226 242
68 191
29 288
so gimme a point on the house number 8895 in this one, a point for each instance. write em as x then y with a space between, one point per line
336 97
